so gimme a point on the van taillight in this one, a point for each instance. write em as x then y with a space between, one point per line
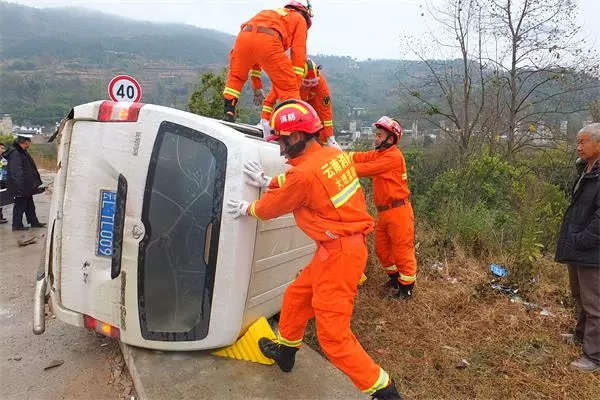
101 327
111 111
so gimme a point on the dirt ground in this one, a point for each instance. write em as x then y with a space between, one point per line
90 367
460 339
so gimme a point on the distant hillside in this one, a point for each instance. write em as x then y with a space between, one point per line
51 59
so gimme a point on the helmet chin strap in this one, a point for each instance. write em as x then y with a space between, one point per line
385 144
294 150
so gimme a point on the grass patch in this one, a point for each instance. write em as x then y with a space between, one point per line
513 352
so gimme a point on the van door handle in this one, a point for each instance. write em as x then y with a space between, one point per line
207 240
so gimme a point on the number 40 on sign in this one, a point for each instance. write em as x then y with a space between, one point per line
124 88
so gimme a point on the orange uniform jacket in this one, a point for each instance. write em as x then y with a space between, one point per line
388 169
293 31
318 97
324 193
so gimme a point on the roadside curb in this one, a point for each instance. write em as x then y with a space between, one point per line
133 372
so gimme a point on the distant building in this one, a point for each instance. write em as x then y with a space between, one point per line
28 129
6 125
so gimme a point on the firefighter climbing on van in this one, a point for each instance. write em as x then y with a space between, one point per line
323 192
262 43
394 231
314 91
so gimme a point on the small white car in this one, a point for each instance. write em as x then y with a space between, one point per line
139 246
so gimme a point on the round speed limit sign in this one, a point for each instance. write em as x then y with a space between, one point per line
124 88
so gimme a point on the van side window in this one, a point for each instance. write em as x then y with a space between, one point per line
182 207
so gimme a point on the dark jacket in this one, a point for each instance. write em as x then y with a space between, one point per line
23 178
579 238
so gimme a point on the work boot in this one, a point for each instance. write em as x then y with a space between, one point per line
38 225
284 356
229 110
393 282
405 291
387 393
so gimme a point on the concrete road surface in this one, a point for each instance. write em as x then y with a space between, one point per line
90 367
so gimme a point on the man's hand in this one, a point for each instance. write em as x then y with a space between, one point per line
266 128
259 97
332 143
237 208
255 176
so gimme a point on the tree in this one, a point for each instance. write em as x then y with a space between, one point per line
207 98
540 62
453 90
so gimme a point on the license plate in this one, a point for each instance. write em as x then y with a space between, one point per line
106 224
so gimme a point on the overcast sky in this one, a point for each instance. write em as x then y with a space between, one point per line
357 28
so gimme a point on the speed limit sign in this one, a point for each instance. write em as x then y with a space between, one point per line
124 88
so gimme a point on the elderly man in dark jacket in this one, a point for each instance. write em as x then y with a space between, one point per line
579 247
23 181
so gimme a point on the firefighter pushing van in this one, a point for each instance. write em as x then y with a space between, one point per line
323 192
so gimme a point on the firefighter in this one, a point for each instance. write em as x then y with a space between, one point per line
394 231
262 43
314 91
324 193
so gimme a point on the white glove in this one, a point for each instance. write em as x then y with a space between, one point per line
255 176
259 97
238 208
332 143
266 128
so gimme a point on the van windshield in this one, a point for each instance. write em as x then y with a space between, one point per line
182 207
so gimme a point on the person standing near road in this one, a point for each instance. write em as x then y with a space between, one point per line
579 247
3 163
23 181
394 231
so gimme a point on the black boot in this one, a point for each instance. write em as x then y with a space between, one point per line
284 356
387 393
229 110
405 292
393 282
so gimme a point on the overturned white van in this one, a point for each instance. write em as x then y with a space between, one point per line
138 244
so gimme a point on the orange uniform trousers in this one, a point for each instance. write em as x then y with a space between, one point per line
394 242
253 48
325 290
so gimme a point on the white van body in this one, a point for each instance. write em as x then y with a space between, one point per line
139 245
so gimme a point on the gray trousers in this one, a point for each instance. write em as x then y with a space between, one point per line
585 288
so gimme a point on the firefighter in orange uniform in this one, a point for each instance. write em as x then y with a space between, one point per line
314 91
394 231
262 43
324 193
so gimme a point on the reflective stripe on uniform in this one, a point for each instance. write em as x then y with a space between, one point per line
345 194
267 109
404 176
299 71
232 92
327 123
391 268
408 278
252 210
255 73
281 179
289 343
382 381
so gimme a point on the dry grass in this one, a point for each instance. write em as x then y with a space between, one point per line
513 352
